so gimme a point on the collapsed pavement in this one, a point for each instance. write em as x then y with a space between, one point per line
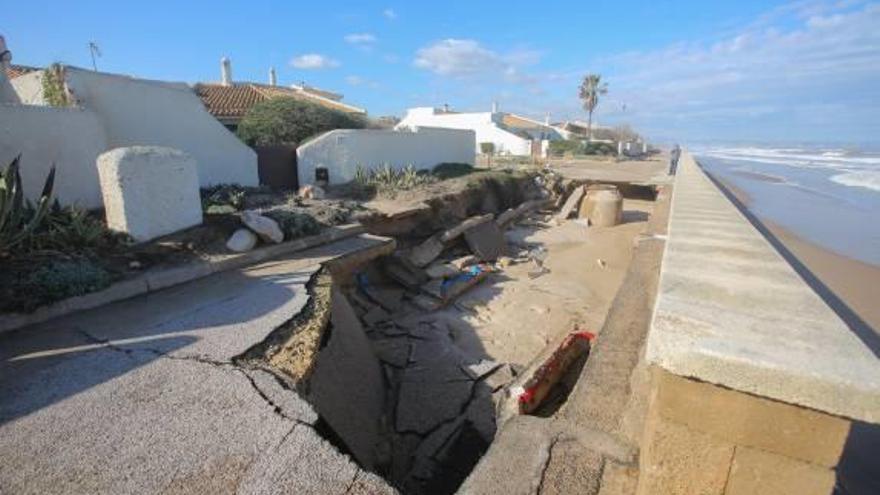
378 363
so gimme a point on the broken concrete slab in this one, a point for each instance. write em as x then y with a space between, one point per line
512 214
481 369
375 315
571 203
395 352
464 262
421 408
454 232
442 270
403 271
346 386
426 252
500 378
486 241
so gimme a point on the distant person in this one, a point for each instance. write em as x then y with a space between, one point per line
673 159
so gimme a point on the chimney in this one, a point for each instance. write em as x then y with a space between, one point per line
225 71
494 107
5 54
272 80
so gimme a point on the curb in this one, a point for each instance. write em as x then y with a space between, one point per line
154 280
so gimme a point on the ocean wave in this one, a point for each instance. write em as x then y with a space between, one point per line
799 157
862 178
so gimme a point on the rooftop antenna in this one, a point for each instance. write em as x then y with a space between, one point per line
95 51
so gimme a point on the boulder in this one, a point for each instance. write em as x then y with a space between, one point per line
265 227
241 240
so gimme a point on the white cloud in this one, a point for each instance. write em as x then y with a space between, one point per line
313 61
763 75
389 14
360 81
465 58
360 39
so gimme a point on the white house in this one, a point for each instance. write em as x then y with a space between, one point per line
511 134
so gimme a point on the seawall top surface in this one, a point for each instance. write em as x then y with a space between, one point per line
731 311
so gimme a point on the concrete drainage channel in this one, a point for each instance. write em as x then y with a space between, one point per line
401 357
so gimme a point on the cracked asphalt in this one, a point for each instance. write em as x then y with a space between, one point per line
143 396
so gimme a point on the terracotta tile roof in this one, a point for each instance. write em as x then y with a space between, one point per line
233 102
13 71
512 120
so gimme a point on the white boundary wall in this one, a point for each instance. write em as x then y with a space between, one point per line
139 112
71 138
482 123
341 151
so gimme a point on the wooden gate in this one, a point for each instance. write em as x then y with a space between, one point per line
277 166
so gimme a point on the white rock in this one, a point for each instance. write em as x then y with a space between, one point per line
242 240
265 227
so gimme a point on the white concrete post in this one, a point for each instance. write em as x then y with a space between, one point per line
619 148
7 92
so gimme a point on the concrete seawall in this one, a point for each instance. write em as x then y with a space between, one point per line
754 379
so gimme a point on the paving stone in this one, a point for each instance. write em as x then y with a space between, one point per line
453 233
571 203
426 252
486 241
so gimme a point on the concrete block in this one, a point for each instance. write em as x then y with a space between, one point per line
149 191
678 460
757 472
752 421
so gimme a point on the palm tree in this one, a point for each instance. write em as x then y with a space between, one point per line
591 88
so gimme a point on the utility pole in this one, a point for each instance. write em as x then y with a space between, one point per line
95 51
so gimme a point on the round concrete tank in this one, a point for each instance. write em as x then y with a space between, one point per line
602 205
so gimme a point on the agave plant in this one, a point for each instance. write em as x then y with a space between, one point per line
19 219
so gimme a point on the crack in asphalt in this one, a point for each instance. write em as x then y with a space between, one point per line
547 463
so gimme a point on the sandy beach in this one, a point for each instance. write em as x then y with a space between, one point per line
851 280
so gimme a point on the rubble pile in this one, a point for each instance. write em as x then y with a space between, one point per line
441 399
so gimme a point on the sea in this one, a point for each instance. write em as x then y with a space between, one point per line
827 195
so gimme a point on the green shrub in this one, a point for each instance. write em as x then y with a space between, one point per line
62 279
288 120
19 219
223 198
73 230
487 148
600 149
566 146
387 180
293 224
451 170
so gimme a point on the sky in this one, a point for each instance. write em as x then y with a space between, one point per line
758 71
